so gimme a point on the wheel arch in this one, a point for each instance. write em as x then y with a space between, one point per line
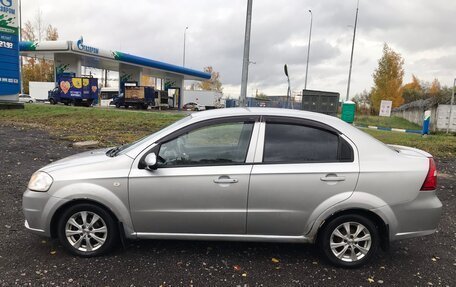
57 214
382 226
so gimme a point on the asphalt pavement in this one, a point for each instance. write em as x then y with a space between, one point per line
30 260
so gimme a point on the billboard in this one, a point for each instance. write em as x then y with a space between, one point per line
9 50
385 108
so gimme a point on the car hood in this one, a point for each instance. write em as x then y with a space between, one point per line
84 158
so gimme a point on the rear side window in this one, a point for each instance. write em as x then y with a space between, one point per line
294 143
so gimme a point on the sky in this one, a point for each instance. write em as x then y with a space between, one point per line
420 30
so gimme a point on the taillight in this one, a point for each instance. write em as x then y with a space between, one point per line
430 183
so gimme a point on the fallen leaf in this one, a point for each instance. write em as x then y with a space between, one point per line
370 280
275 260
53 252
244 274
237 267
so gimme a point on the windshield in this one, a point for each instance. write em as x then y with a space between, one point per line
130 146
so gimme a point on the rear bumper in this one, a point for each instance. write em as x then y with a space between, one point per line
419 217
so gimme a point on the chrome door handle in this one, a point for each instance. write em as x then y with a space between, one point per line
225 180
332 178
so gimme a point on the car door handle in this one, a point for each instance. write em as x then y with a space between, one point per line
332 178
225 180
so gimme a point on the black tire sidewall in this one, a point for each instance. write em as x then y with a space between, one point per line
111 225
324 240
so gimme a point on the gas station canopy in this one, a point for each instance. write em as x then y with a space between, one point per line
69 56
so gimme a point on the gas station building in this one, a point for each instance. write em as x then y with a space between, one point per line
70 56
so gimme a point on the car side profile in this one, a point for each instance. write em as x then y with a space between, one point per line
24 98
243 174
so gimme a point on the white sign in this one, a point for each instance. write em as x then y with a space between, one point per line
385 108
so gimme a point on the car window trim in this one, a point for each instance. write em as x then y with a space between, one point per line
299 121
306 123
204 123
244 119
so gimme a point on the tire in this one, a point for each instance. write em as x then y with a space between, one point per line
30 102
52 101
82 242
353 253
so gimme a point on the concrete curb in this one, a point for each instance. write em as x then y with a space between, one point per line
390 129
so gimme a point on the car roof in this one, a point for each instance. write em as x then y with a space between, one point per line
263 112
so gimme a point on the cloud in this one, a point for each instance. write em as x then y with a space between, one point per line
419 30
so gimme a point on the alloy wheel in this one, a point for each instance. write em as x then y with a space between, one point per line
86 231
350 241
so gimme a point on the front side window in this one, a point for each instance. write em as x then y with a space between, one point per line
218 144
293 143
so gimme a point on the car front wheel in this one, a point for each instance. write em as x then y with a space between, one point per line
349 241
87 230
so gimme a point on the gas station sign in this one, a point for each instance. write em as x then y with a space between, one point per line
9 49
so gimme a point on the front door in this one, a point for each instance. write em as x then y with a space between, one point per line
200 185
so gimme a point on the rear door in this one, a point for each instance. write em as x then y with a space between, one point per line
300 166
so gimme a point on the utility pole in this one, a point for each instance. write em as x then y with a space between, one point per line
308 49
183 57
245 62
353 48
451 107
20 40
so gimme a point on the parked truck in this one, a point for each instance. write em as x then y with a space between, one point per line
39 90
208 99
78 91
135 96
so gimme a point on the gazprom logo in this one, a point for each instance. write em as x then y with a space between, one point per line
82 47
7 3
7 7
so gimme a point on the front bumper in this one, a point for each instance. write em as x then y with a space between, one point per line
38 208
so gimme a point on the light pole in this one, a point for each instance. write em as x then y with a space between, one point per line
183 57
285 69
20 40
308 49
245 62
451 107
353 48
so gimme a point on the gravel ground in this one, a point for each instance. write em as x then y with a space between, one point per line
27 259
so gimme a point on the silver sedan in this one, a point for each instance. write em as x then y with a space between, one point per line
241 174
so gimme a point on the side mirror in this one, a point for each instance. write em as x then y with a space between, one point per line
151 161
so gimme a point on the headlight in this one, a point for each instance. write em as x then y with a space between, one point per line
40 181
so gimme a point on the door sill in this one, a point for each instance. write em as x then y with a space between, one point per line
221 237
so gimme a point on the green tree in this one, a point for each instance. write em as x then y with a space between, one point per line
363 102
213 84
388 79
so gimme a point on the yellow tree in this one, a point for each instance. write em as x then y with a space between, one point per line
388 79
213 84
435 88
412 91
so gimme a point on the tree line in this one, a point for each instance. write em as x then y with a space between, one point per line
388 85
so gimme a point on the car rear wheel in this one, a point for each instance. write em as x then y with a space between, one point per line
87 230
349 241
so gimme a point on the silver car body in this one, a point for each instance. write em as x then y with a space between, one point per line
269 202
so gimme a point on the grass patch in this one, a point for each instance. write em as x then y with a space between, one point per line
113 127
110 127
388 122
439 145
